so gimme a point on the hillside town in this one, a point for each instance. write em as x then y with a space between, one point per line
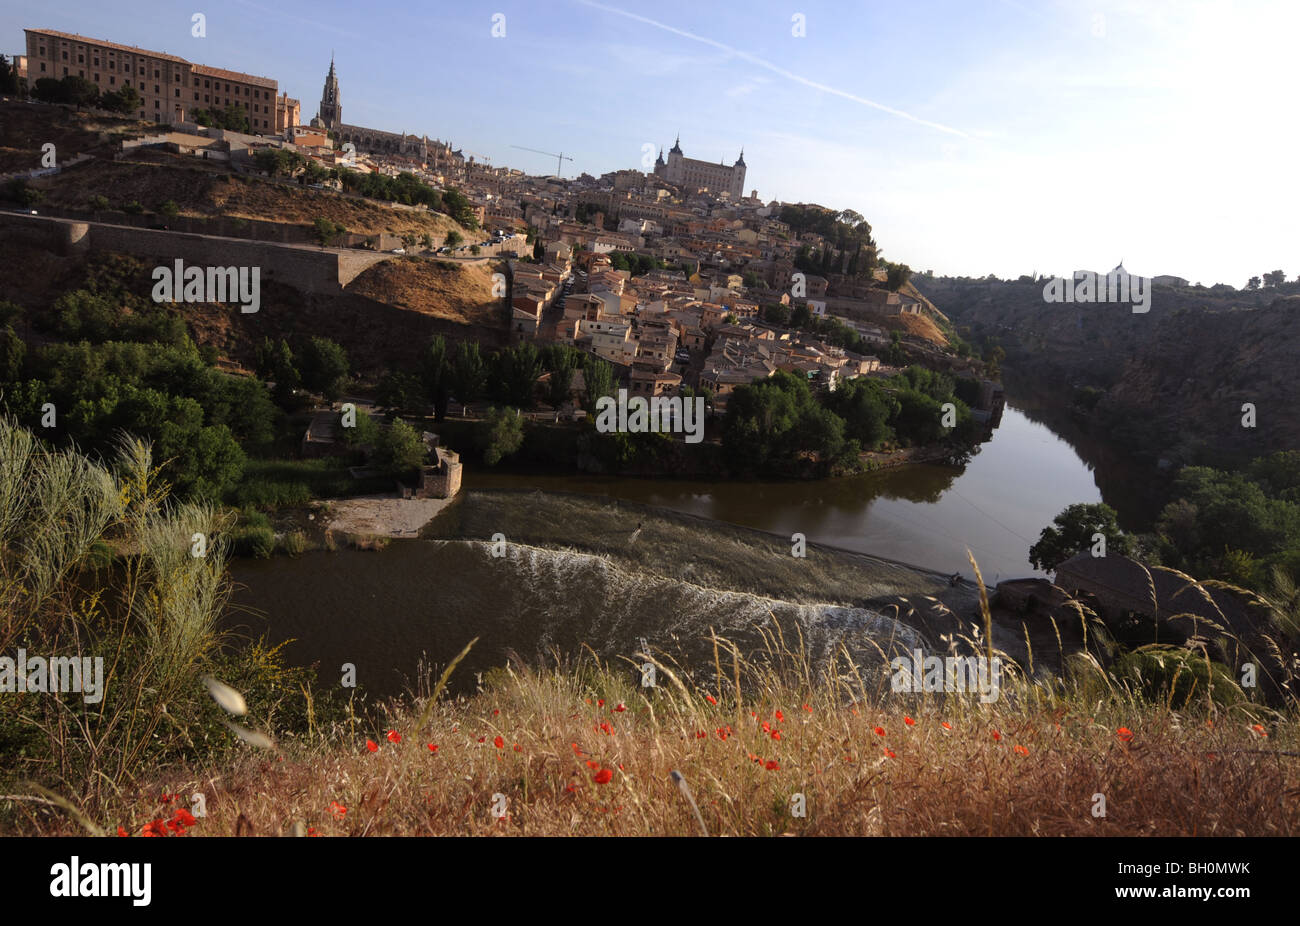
675 275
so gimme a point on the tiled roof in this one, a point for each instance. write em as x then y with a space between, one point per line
73 37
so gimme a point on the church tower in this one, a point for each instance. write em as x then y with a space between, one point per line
331 105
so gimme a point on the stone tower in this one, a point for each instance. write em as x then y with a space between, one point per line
331 104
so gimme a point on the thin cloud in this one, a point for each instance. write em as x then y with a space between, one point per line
775 69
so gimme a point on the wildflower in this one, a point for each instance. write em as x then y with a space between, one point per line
498 742
338 809
776 734
122 832
772 765
620 708
807 708
946 725
600 702
592 763
433 747
767 727
1124 733
394 736
576 750
154 828
184 817
496 712
570 788
997 737
372 745
880 731
779 716
607 729
722 734
603 777
311 831
700 734
482 739
711 699
518 748
1259 729
909 721
889 753
1021 749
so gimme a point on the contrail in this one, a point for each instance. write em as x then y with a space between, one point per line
775 69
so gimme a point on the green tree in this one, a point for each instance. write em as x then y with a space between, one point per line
8 76
499 434
326 232
324 367
125 100
469 373
562 361
400 390
598 375
12 353
518 369
400 448
1071 533
169 209
453 239
435 375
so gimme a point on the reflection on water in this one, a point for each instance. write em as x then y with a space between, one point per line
925 514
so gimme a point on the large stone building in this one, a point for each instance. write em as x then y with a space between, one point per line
369 141
696 175
171 88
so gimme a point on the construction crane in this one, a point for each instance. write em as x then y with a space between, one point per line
558 157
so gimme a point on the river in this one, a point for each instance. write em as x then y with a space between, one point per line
423 599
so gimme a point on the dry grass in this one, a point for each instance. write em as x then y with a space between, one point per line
1030 763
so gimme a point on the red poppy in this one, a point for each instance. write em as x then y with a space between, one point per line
1258 728
166 798
880 731
603 777
433 747
1021 749
909 721
807 708
122 832
592 763
772 765
495 712
997 737
711 699
571 788
722 734
1124 733
338 809
372 745
776 734
780 716
600 702
576 750
607 729
518 748
154 828
184 817
394 736
620 708
482 739
311 831
767 727
889 753
700 734
945 724
498 742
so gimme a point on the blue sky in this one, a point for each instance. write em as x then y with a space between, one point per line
977 136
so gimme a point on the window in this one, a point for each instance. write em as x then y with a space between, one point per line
155 89
42 67
65 56
65 72
156 73
178 93
95 61
196 83
81 59
196 98
155 104
96 78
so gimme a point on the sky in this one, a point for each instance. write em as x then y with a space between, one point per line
976 136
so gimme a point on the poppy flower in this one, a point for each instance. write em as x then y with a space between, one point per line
394 736
776 734
607 729
880 731
767 727
496 712
576 750
711 699
807 708
620 708
1258 728
772 765
154 828
338 809
518 748
570 788
433 747
1124 733
1021 749
311 831
722 734
498 742
603 777
482 739
909 721
997 737
184 817
780 716
945 724
122 832
592 763
889 753
600 702
700 734
372 745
